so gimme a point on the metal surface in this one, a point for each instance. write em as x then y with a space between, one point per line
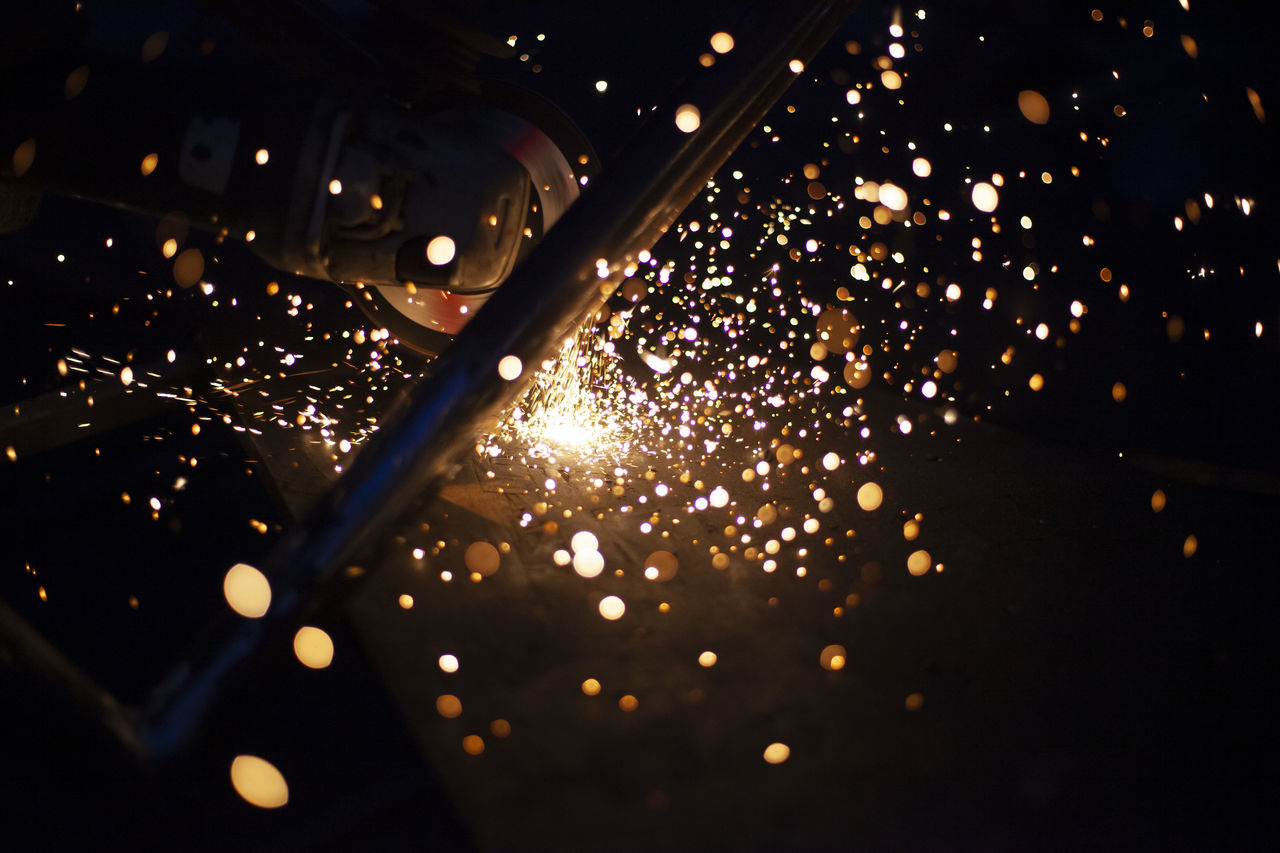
624 213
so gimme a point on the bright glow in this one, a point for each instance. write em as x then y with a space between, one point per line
776 753
602 85
259 782
1033 106
588 564
719 497
510 367
893 197
149 163
688 118
262 156
612 607
722 42
918 563
584 540
985 197
247 590
922 167
448 663
335 187
707 659
441 250
870 496
796 66
313 647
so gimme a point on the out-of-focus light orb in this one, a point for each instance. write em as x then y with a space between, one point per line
1042 331
473 744
482 557
126 376
719 497
149 164
796 66
893 196
509 367
448 705
1036 382
1158 500
1189 546
1119 392
261 156
313 647
921 167
612 607
853 96
688 118
831 460
441 250
259 782
838 330
591 687
722 42
588 564
776 753
870 496
985 197
661 566
602 85
833 657
335 187
707 659
448 663
247 590
584 540
1033 106
890 79
918 563
562 557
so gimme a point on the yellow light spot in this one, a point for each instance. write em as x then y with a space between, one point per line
985 197
921 167
259 782
448 705
261 156
149 164
602 85
707 659
660 566
188 267
612 607
776 753
1158 500
890 79
500 728
406 601
722 42
893 196
273 288
313 647
628 703
170 248
473 744
588 564
335 187
591 687
688 118
481 557
833 657
796 66
1119 392
1189 546
1036 382
448 663
910 530
1256 103
918 563
1189 45
247 590
870 496
510 367
1034 106
441 250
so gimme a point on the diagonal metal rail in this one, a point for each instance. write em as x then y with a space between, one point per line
623 213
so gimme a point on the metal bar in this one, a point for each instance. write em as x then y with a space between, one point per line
626 211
